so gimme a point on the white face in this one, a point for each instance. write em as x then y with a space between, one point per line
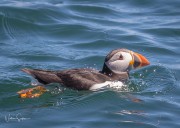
119 62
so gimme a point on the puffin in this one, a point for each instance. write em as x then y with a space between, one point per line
117 65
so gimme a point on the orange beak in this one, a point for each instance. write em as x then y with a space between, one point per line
139 60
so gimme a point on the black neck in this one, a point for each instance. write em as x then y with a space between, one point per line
106 70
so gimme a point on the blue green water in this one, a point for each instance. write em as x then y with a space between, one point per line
64 34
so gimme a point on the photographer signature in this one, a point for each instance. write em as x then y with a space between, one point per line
17 117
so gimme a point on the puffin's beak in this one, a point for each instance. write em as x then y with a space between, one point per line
139 60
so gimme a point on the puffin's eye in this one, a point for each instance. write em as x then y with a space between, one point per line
121 57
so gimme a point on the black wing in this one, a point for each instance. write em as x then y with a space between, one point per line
82 79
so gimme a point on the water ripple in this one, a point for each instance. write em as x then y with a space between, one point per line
67 34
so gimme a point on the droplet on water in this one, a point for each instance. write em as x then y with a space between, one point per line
143 83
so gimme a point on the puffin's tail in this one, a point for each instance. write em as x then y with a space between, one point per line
43 76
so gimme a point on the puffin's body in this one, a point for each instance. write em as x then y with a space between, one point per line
116 66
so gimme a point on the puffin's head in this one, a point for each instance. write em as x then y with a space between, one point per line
123 60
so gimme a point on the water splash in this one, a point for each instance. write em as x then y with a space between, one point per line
155 79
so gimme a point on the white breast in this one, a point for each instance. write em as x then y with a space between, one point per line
111 84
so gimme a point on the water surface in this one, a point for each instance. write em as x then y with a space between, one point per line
63 34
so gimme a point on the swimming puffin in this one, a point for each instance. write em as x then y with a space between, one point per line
116 66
